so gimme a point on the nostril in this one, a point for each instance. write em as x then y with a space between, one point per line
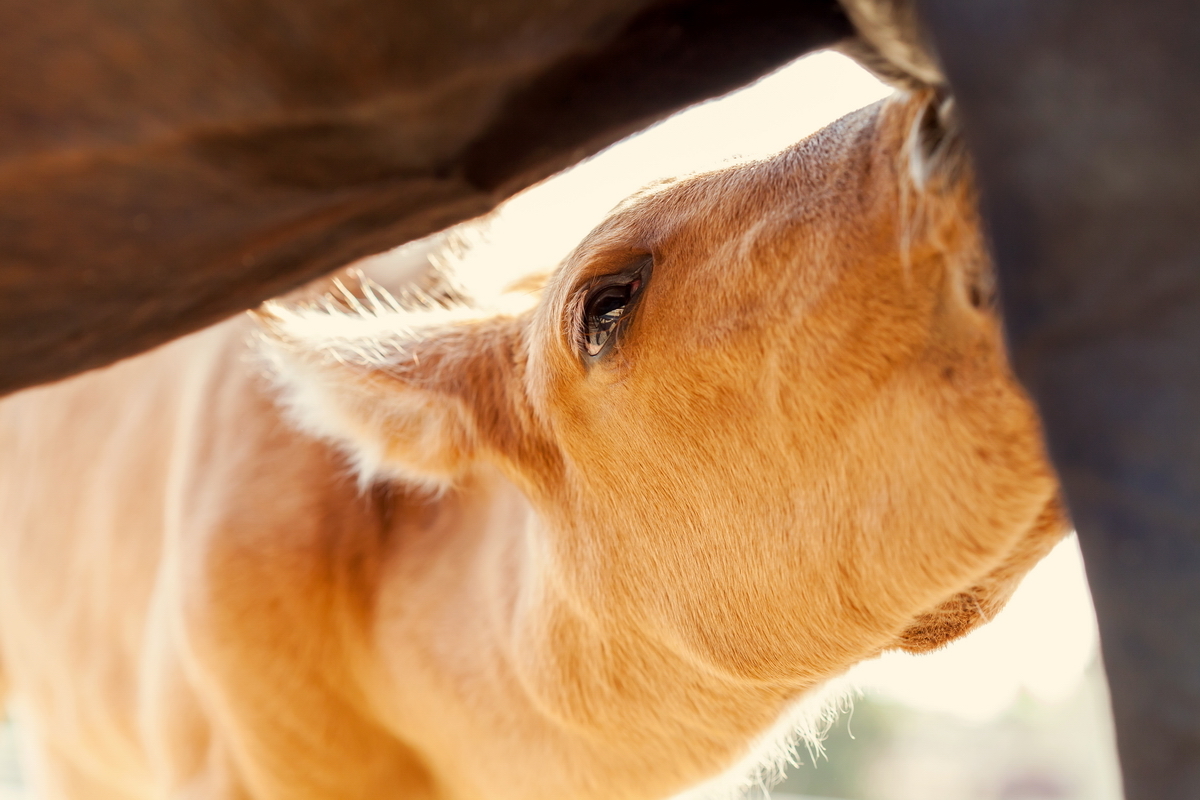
980 286
977 297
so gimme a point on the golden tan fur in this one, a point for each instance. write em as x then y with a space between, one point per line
806 448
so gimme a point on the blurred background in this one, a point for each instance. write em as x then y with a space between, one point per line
1017 710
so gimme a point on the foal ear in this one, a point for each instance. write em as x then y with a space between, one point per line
891 43
409 395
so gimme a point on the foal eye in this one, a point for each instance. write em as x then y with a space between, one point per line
603 311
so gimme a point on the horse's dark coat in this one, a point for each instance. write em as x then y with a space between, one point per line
1084 121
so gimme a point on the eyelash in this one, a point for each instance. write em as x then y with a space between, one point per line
603 310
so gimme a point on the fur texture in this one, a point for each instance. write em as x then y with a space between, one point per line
803 448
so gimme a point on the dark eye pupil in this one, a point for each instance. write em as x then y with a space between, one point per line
609 304
602 312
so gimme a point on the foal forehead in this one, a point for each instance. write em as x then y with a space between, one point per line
825 176
836 159
700 205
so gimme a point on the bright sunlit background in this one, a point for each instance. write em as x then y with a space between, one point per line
1017 710
538 227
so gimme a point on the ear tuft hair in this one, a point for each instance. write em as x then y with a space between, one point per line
935 145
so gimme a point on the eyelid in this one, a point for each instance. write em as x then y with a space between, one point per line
629 269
